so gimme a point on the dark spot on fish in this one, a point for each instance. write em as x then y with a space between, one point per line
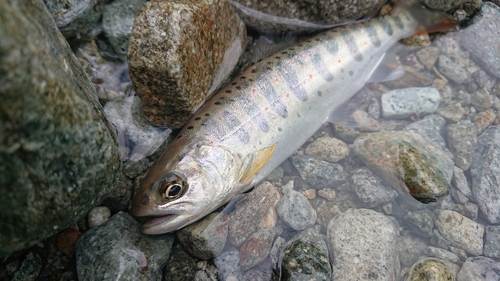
319 93
234 83
251 80
293 81
218 103
197 118
298 115
399 22
279 129
277 57
320 65
190 127
228 91
179 136
386 26
242 77
238 87
149 84
207 114
351 44
269 62
254 70
268 68
284 53
372 33
351 73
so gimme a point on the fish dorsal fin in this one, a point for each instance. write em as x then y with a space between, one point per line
386 69
255 162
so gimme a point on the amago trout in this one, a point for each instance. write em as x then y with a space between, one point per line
244 132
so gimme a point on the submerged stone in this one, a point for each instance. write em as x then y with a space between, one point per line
432 269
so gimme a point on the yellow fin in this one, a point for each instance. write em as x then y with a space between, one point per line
257 162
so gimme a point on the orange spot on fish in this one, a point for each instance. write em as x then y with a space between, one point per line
276 80
265 108
339 61
287 95
366 43
310 76
253 91
354 51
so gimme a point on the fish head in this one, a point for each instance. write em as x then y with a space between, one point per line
198 184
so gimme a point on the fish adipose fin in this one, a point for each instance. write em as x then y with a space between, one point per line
255 162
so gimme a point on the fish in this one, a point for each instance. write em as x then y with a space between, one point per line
251 126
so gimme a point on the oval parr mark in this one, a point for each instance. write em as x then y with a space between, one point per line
272 97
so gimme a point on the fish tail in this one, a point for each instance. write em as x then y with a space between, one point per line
429 21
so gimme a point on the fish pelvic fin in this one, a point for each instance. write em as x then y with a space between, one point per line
429 21
255 162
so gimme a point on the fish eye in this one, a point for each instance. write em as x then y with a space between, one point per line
172 186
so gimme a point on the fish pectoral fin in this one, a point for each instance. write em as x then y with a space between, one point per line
386 68
350 116
255 162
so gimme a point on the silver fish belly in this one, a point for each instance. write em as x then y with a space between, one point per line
250 127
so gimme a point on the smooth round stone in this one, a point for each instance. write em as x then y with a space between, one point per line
462 139
432 269
431 126
370 188
328 149
461 231
295 210
408 162
180 267
98 216
206 238
319 173
453 112
420 221
492 241
410 247
228 262
479 269
428 56
452 70
403 103
481 99
256 247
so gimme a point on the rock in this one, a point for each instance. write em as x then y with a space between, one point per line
479 269
98 216
228 262
462 139
75 18
118 248
117 21
66 241
410 247
442 254
327 193
370 188
328 149
305 257
181 266
276 174
481 99
375 257
295 210
483 119
431 127
257 275
256 247
460 231
420 221
452 70
460 182
319 173
303 15
428 56
403 103
453 112
119 197
408 162
276 250
30 268
206 238
459 252
58 155
484 80
412 78
326 211
484 29
492 242
443 5
432 269
168 34
485 174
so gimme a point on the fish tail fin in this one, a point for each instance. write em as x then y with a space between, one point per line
429 21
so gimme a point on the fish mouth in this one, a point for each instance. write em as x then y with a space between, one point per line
163 224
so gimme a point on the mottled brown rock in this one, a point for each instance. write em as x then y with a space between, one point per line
179 52
58 155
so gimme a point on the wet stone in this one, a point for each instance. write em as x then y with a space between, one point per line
461 231
301 15
276 174
376 257
443 5
206 238
428 56
459 252
256 247
442 254
410 247
257 275
58 154
452 70
347 134
257 203
117 21
370 189
432 269
453 112
181 266
408 162
479 269
403 103
485 29
305 257
319 173
66 241
485 174
295 210
492 242
431 127
481 99
177 82
118 248
412 78
328 149
483 119
30 267
276 249
460 182
98 216
462 139
228 263
74 17
327 193
420 221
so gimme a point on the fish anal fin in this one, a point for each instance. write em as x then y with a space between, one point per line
256 162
